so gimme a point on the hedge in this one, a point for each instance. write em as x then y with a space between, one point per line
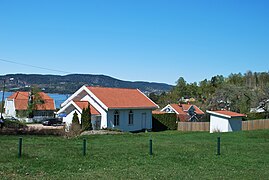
256 116
14 124
162 122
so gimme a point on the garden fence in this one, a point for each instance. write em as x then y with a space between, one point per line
205 126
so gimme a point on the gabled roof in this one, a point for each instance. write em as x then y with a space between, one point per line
19 95
85 104
120 98
21 101
183 108
227 114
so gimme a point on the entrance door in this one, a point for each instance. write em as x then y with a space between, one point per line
98 123
144 121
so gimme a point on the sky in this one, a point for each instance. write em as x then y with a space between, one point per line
137 40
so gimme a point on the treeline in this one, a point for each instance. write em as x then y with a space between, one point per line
237 92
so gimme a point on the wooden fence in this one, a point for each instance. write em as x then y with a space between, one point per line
205 126
255 124
193 126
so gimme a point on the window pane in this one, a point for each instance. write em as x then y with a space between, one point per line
131 117
116 118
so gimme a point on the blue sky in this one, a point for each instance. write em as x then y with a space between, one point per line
145 40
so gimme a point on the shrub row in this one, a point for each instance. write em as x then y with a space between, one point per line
162 122
14 124
256 116
18 128
32 131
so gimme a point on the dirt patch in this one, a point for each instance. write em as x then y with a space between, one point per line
93 132
40 126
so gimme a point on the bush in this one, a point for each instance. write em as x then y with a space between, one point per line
14 124
256 116
161 122
18 128
205 118
74 131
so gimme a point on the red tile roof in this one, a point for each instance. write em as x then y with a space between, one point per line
229 113
21 101
84 104
158 112
182 110
115 98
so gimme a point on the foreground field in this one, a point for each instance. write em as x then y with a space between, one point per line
244 155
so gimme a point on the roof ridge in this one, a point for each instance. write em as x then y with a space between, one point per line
16 95
111 87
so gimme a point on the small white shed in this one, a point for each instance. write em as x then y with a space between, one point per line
225 121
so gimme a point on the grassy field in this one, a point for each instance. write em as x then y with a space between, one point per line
244 155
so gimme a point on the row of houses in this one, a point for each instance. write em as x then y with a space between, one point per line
114 108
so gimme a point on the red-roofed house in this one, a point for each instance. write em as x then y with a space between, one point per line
16 105
185 112
225 121
124 109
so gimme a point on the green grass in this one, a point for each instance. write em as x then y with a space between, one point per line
244 155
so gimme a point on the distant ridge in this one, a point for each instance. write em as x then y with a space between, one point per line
68 84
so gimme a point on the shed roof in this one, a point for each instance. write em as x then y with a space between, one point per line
227 114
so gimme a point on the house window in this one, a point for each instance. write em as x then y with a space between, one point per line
168 110
131 118
116 118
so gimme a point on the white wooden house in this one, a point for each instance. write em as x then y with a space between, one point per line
115 108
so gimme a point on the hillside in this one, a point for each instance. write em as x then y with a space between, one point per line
70 83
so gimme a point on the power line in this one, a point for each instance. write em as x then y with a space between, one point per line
33 66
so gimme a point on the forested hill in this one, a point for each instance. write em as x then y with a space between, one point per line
70 83
237 92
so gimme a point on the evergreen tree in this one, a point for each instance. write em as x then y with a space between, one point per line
75 120
86 119
75 128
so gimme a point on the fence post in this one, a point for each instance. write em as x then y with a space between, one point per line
84 147
218 146
20 147
150 147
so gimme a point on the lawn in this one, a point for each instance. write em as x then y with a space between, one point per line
244 155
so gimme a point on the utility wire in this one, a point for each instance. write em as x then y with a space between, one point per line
33 66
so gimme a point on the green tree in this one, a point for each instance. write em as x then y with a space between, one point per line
86 119
236 79
154 97
34 100
217 81
75 119
75 128
231 97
